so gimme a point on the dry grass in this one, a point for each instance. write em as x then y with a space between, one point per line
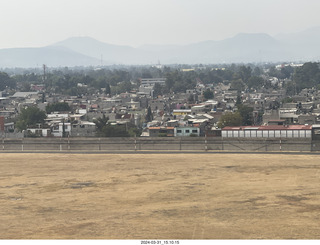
53 196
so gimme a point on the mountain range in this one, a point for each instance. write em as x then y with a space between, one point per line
242 48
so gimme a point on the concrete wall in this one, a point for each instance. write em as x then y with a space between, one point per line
157 144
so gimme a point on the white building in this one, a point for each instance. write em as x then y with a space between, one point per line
153 81
57 129
272 131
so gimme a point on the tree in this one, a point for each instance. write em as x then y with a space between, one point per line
101 122
230 119
287 100
307 76
286 72
273 72
208 94
114 131
237 85
100 83
245 73
255 82
257 71
239 100
30 117
107 130
157 90
122 87
127 130
246 114
108 89
149 116
170 79
59 106
6 81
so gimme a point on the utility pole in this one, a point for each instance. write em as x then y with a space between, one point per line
44 73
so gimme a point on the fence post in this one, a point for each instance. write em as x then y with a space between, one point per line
206 142
135 142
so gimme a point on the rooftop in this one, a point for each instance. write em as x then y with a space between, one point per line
23 94
161 128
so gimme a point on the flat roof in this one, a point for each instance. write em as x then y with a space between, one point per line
23 94
182 110
161 127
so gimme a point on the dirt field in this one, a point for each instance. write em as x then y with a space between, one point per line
218 196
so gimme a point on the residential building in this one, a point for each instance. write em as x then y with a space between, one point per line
153 81
180 112
59 128
39 132
161 131
83 129
186 131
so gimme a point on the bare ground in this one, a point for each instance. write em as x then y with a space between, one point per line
219 196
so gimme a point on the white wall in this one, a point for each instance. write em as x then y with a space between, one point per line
266 133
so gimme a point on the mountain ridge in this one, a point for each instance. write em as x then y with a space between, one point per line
242 48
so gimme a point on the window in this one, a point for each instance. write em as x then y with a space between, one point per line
187 131
194 131
179 131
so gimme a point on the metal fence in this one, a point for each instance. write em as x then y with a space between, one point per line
156 144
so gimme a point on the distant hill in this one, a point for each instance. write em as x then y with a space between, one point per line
51 56
109 53
304 44
242 48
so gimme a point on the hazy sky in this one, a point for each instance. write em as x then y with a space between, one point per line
32 23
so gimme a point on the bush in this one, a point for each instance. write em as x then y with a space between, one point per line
162 135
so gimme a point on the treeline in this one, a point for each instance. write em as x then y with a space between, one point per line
125 79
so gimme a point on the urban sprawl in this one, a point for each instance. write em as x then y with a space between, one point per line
237 101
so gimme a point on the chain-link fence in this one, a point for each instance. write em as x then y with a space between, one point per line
157 144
